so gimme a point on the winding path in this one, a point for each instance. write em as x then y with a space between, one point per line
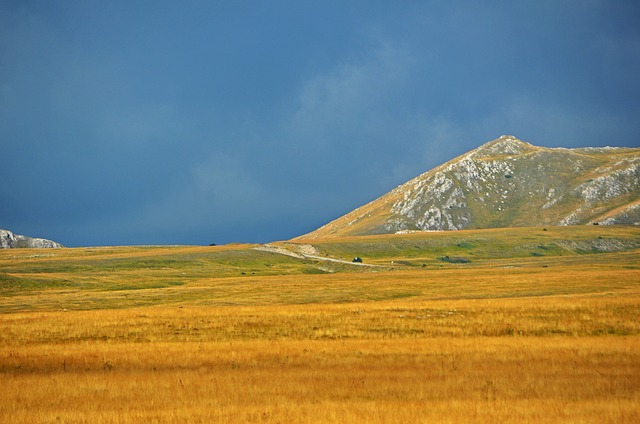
284 251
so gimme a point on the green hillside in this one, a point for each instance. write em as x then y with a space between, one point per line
119 277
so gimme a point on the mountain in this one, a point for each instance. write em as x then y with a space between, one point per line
10 240
506 183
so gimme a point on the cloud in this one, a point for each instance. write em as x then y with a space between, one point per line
224 180
219 200
246 123
355 119
349 97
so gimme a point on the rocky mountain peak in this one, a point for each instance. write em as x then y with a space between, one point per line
504 145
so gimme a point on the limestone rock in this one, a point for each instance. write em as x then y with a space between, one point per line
9 240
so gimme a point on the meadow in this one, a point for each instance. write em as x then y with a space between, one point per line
536 325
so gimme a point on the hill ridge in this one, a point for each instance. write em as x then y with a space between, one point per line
506 182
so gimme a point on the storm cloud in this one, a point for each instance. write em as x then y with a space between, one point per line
135 122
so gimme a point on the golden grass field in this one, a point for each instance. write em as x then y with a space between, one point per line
230 334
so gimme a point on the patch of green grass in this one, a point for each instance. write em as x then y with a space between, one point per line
454 260
11 285
483 244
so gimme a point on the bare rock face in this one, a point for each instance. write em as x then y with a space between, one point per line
509 182
8 240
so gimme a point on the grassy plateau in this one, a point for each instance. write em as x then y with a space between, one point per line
507 325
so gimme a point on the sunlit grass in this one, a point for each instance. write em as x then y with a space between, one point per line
504 278
526 359
230 334
490 379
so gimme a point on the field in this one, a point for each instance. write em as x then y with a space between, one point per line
520 325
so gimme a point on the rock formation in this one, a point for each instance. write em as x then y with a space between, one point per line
9 240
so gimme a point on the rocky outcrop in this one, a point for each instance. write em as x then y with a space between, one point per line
509 182
8 240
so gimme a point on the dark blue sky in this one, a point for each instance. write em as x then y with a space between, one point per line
166 122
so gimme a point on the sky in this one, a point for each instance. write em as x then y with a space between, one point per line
141 122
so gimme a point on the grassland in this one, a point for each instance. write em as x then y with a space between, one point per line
537 326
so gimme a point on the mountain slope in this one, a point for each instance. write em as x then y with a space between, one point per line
506 183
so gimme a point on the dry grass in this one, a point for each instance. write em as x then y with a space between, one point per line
571 359
507 340
412 380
